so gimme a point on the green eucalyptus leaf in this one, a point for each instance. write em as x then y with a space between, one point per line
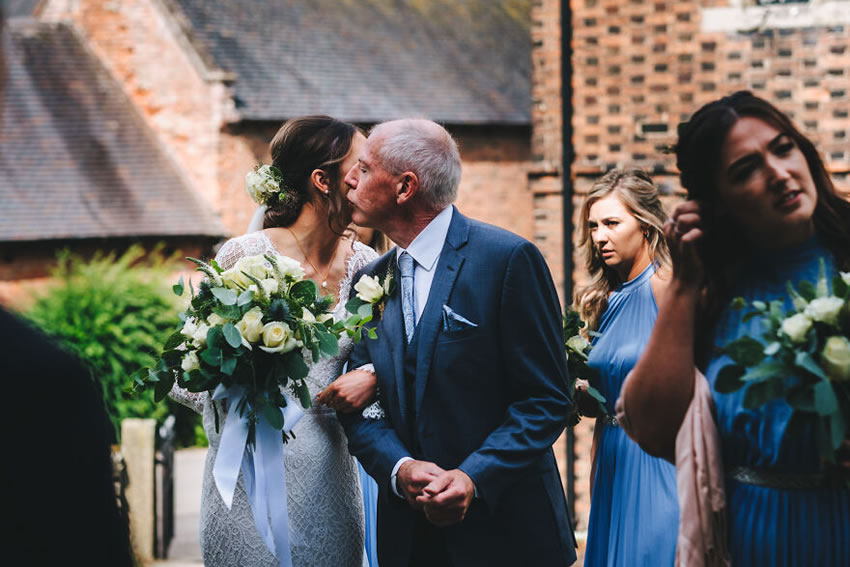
839 288
807 290
759 305
328 343
231 335
729 379
293 366
805 361
370 332
304 395
179 288
173 341
354 304
764 370
228 364
245 298
745 351
211 355
226 296
304 292
738 303
838 428
273 415
595 394
825 401
163 387
759 393
365 310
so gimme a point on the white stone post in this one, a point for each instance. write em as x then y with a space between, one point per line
138 439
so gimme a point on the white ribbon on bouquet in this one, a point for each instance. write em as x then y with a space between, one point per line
262 469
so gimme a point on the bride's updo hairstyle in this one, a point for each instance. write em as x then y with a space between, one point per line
299 147
723 250
635 189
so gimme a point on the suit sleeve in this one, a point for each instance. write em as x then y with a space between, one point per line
530 337
373 441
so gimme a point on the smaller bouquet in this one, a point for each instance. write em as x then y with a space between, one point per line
804 358
587 400
249 329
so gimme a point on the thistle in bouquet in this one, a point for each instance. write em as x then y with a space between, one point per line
803 357
588 401
251 326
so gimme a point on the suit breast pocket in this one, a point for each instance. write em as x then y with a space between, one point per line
460 335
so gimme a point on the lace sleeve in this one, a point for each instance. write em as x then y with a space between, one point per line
192 400
229 253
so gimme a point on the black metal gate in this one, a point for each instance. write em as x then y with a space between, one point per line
164 487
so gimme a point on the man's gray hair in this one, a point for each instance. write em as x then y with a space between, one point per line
426 149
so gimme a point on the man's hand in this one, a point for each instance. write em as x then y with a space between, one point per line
413 476
350 392
447 498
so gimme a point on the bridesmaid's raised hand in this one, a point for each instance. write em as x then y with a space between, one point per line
683 230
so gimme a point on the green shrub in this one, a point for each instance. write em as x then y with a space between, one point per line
115 313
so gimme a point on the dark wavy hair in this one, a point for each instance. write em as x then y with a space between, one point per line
698 159
301 146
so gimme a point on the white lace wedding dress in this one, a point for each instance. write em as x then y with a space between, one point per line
325 503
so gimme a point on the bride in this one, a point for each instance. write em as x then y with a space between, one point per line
306 222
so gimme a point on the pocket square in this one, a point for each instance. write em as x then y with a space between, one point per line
453 321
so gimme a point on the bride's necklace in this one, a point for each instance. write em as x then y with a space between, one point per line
315 269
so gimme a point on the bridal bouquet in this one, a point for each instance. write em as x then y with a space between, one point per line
247 330
804 358
577 349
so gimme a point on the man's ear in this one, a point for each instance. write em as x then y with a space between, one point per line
321 181
406 187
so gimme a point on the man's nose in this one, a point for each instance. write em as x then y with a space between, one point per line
350 178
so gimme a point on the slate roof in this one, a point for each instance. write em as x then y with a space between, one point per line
455 61
76 159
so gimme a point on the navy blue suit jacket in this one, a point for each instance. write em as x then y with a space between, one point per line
489 400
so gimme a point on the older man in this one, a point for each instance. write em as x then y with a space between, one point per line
470 369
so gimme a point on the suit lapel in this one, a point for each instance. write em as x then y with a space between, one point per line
448 268
391 333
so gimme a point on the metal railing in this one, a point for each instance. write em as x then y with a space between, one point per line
164 487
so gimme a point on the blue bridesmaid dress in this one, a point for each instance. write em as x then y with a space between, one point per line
370 506
634 511
768 525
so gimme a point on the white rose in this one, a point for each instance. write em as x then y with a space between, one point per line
369 289
325 317
189 327
577 343
255 266
215 320
289 267
254 186
270 285
278 337
825 309
199 337
190 361
796 326
845 276
836 358
251 325
307 315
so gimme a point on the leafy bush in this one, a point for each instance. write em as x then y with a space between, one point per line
114 313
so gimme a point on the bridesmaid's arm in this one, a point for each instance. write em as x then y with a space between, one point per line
658 391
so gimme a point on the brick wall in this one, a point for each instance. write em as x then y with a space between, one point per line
643 66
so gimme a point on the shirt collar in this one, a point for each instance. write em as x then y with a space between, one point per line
428 244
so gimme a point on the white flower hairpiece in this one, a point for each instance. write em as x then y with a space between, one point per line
265 185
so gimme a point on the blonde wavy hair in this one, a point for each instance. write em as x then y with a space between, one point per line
638 193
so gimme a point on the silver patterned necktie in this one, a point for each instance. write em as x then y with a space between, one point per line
405 264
